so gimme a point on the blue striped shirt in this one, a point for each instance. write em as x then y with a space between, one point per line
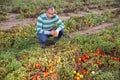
45 24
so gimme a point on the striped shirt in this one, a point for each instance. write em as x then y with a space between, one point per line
45 24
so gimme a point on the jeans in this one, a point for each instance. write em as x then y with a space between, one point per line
43 38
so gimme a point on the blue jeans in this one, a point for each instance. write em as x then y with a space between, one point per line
43 38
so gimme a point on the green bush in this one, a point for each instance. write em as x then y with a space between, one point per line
113 75
18 38
13 65
80 39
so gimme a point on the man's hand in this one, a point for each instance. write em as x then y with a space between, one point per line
54 33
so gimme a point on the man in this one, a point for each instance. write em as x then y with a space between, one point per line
46 29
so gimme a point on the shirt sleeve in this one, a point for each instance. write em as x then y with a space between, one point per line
60 24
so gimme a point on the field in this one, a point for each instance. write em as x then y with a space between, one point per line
89 49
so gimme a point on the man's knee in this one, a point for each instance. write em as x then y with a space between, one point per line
61 32
42 38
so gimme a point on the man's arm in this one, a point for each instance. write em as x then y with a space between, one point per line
60 24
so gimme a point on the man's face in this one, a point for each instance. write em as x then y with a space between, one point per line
50 13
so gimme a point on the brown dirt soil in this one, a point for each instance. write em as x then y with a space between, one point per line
13 21
92 30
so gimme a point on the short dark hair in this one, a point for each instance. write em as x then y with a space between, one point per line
52 8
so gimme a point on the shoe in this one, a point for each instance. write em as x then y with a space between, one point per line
54 41
43 46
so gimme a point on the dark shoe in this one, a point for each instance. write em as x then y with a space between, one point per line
54 41
43 46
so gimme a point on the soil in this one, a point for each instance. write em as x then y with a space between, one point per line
92 30
13 21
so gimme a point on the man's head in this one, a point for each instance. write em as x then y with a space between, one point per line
50 12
